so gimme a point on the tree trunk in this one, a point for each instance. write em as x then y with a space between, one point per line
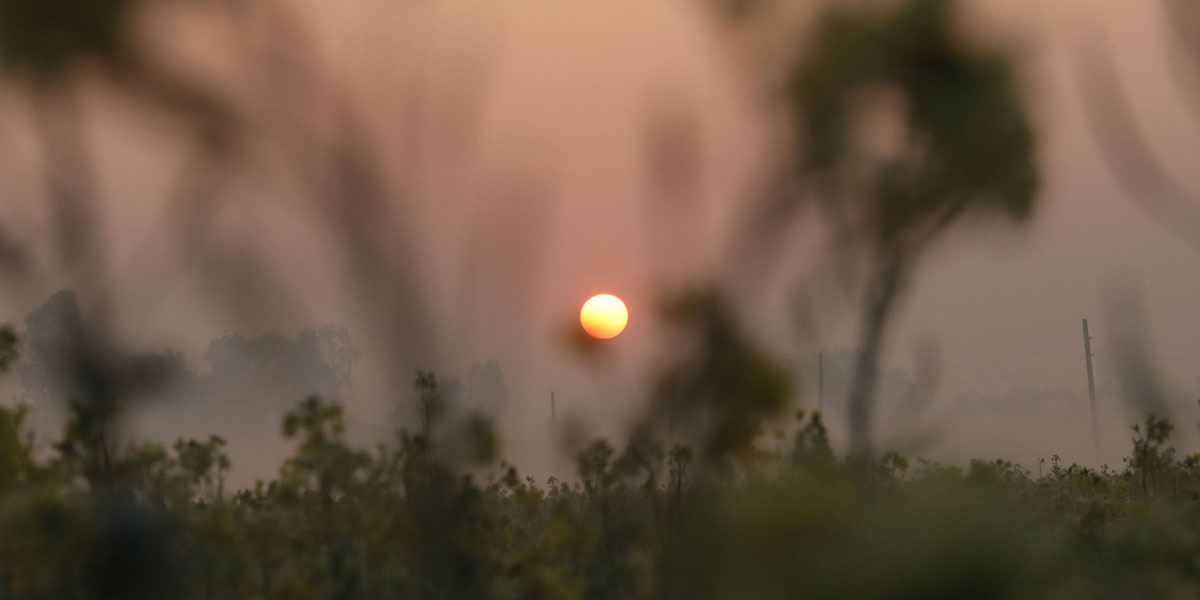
885 286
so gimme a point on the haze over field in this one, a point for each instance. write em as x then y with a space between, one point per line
692 299
538 153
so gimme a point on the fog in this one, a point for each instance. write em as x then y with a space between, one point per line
531 154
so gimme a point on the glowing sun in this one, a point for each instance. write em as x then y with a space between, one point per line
603 316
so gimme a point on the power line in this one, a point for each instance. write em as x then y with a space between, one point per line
1014 357
1043 367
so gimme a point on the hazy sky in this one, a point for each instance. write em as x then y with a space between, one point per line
520 139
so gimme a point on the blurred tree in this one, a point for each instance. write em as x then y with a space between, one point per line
276 371
810 447
722 388
486 390
206 464
1151 458
16 449
429 401
964 145
41 39
8 347
53 332
60 363
1150 183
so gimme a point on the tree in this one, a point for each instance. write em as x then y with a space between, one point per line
429 402
276 371
1151 456
8 347
16 448
966 147
724 387
486 390
54 336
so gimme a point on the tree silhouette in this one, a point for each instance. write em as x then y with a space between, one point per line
966 147
486 389
275 371
8 347
54 333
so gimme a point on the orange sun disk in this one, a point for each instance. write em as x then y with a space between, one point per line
603 316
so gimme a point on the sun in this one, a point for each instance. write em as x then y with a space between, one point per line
603 316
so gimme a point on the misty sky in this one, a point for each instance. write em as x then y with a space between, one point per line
521 140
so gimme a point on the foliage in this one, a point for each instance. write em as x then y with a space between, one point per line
41 39
280 370
963 145
724 387
8 347
409 520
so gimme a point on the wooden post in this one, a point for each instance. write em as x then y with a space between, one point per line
1087 352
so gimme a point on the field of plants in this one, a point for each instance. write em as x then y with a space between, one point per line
435 514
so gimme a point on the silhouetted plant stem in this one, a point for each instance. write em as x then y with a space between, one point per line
881 296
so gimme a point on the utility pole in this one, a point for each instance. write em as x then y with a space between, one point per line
1087 352
821 382
553 415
